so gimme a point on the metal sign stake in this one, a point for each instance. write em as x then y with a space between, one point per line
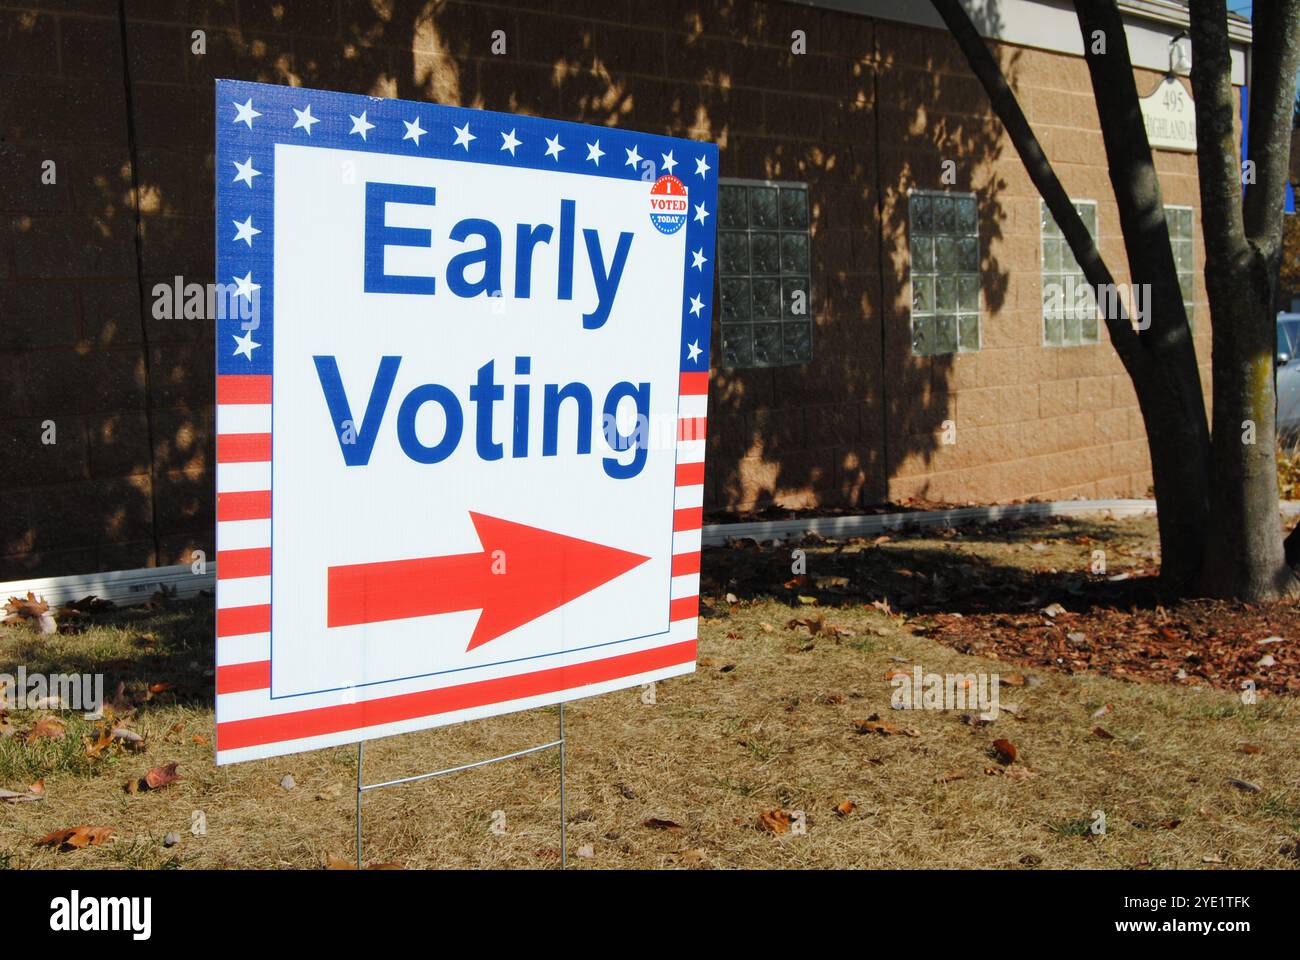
362 786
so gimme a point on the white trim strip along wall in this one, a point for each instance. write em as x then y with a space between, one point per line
127 587
1052 25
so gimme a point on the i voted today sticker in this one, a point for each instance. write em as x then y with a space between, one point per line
668 204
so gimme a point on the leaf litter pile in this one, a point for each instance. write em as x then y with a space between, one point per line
1066 595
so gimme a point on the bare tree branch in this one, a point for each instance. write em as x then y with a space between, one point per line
1275 51
1216 154
1133 172
1007 107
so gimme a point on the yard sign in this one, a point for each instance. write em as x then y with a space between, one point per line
460 441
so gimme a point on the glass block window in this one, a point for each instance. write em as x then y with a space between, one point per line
763 269
943 232
1181 238
1069 301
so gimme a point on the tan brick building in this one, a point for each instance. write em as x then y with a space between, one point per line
863 104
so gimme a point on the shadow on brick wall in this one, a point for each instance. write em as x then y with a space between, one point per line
124 109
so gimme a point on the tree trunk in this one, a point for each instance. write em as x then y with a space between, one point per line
1159 360
1173 405
1244 556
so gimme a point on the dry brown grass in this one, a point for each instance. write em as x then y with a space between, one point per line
717 749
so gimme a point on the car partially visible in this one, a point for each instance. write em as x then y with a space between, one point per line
1288 378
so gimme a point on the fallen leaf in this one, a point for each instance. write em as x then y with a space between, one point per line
873 724
89 605
101 743
845 808
35 791
129 739
49 728
1246 785
656 823
29 608
155 779
823 583
1052 610
1005 750
1251 748
75 838
1101 733
774 821
1102 711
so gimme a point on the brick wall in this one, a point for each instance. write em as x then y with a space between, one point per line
125 111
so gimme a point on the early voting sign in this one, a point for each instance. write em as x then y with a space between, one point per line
460 433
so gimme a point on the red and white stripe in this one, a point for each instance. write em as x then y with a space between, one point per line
688 502
251 724
243 533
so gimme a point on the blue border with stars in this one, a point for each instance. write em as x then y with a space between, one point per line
251 118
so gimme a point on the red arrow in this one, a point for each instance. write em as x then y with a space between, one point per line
521 573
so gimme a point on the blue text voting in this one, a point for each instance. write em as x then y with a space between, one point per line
483 256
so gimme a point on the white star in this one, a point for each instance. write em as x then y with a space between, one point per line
700 259
246 172
245 287
702 166
361 124
245 112
245 231
413 131
246 346
463 136
509 142
553 147
669 162
305 119
692 350
633 158
696 306
700 213
594 153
